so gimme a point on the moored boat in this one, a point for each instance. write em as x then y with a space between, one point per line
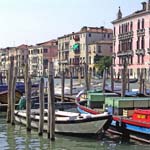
67 122
138 125
4 94
130 80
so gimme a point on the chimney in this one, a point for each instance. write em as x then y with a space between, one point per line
144 5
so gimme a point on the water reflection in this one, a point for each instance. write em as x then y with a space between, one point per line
16 138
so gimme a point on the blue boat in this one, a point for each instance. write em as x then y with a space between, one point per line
19 87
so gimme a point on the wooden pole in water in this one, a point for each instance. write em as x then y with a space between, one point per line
62 85
123 75
51 104
128 80
104 81
112 78
141 77
86 76
79 76
89 78
10 74
41 100
28 104
71 82
26 75
13 95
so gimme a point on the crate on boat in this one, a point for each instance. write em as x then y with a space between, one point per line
97 99
127 113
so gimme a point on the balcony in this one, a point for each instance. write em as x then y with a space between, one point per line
125 53
148 50
114 38
140 52
126 35
114 55
75 64
140 32
64 61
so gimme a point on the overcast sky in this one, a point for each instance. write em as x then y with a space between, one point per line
33 21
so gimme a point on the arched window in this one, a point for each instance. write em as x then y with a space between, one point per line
131 26
138 25
142 43
142 23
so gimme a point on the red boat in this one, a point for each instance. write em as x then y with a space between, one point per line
138 125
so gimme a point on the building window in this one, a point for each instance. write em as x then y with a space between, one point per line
45 50
89 34
131 72
99 49
142 43
131 26
138 59
142 23
89 59
115 30
138 25
142 59
138 43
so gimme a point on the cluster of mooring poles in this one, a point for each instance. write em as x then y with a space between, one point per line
12 76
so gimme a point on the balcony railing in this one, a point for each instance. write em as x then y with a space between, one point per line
126 35
140 32
148 50
113 55
140 52
64 61
125 53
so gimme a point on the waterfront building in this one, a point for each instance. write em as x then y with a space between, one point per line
40 55
131 41
96 51
19 55
3 61
73 49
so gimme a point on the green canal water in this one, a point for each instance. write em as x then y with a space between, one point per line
16 138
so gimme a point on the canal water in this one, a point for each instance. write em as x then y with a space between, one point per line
16 138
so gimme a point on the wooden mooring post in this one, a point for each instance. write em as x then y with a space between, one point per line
86 76
13 95
141 82
51 104
104 81
62 85
112 78
28 104
41 100
71 82
123 77
10 74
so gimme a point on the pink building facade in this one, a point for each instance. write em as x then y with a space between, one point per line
131 42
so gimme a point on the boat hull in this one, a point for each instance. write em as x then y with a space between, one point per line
4 95
68 125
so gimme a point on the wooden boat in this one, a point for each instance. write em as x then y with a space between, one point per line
4 94
130 80
138 125
67 122
19 86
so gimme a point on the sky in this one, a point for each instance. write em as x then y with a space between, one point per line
35 21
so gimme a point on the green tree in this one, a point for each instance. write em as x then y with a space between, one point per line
103 63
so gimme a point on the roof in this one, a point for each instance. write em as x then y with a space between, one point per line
23 46
134 14
47 43
86 29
